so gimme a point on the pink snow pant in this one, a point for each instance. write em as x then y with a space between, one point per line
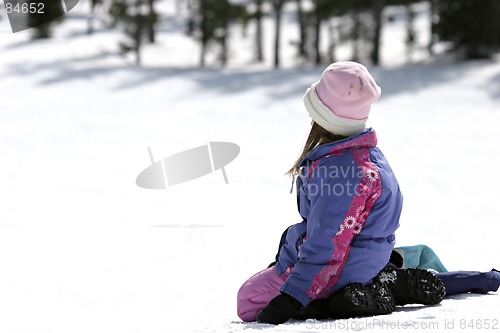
257 292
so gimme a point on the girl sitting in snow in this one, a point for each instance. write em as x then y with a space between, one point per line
331 265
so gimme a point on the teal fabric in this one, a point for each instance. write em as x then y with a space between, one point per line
420 256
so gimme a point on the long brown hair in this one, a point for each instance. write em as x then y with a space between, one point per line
318 135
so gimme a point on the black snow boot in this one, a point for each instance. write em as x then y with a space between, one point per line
412 285
360 300
354 300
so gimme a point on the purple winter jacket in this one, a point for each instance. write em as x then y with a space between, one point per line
350 203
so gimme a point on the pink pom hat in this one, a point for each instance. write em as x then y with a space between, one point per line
340 100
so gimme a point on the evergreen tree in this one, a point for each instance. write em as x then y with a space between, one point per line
213 23
354 27
138 20
209 23
473 26
53 11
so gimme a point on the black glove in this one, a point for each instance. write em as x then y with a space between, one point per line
279 310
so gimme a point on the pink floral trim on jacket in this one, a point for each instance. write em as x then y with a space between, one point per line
367 192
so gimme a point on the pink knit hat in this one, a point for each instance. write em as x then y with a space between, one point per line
340 100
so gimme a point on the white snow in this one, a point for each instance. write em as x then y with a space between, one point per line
83 249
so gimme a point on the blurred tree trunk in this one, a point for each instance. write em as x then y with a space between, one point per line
224 31
378 8
317 31
322 11
356 34
258 31
137 37
152 20
90 22
302 30
331 44
432 20
411 34
204 32
203 53
278 7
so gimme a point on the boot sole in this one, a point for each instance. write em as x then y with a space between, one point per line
417 286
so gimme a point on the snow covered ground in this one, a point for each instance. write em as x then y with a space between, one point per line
83 249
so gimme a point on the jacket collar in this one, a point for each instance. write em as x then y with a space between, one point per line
366 139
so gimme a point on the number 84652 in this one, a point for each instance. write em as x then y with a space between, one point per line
25 8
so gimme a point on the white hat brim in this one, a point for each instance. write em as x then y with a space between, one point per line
327 119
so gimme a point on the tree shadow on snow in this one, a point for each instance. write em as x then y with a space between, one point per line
493 86
412 78
277 83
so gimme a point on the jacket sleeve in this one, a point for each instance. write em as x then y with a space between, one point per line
336 204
